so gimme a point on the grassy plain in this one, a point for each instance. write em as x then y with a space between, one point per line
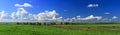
79 29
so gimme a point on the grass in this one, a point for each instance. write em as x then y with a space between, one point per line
81 29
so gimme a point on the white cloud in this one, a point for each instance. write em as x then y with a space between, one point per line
31 16
60 19
92 5
3 14
106 20
114 17
20 14
91 17
106 13
24 5
77 16
23 15
51 15
67 20
13 15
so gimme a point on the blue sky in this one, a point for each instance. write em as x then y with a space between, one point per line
104 9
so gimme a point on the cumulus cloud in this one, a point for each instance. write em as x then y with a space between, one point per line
23 15
67 20
13 15
47 15
31 16
24 5
91 17
106 13
20 14
77 16
114 17
3 14
92 5
60 19
106 20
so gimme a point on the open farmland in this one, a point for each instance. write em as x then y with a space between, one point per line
60 29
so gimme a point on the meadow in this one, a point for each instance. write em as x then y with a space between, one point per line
59 28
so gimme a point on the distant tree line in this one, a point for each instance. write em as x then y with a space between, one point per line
58 23
45 23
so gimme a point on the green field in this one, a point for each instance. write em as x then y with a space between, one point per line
81 29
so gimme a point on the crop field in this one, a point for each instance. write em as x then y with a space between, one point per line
60 29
